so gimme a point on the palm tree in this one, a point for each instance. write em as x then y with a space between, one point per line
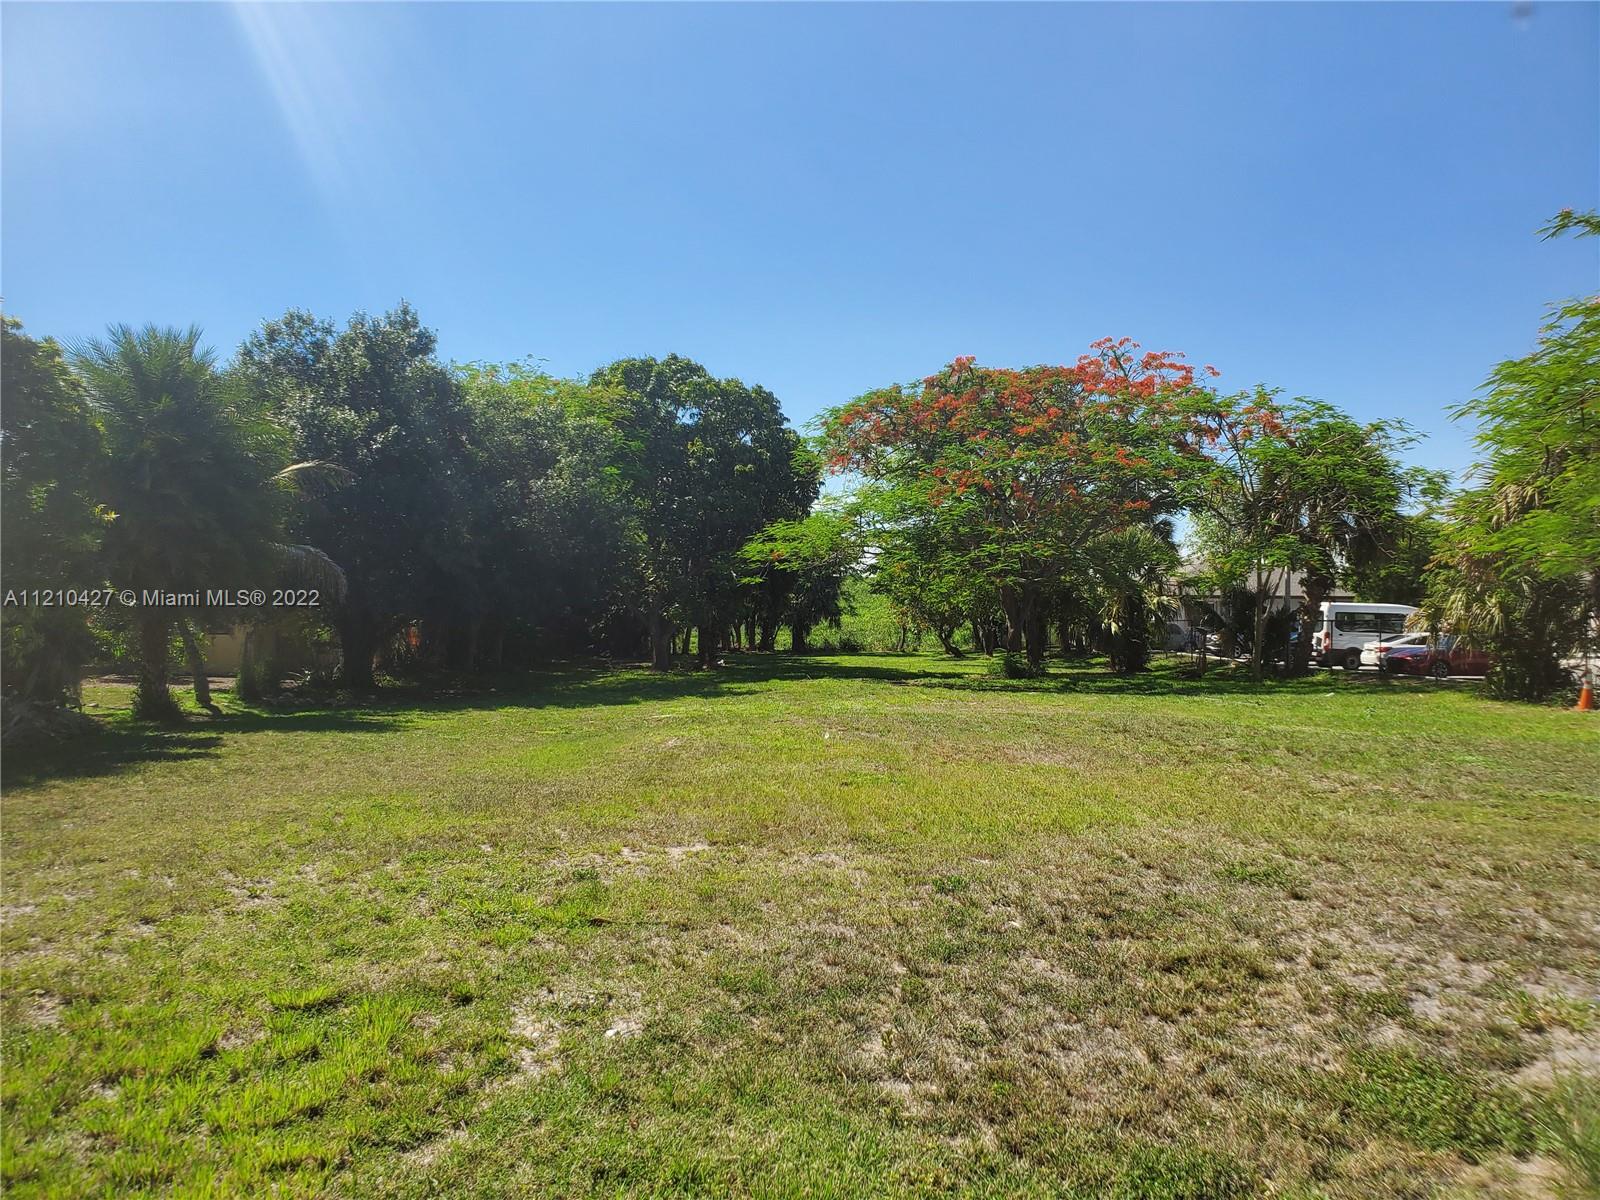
1127 586
1527 620
194 483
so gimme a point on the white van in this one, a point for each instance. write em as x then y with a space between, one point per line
1345 627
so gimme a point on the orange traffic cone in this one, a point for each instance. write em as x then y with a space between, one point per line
1585 698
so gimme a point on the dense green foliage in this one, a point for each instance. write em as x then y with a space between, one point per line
463 517
190 479
372 400
1294 486
706 464
1518 571
51 453
482 516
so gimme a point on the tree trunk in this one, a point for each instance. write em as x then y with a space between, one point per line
947 639
797 638
1258 658
660 642
1035 630
197 669
152 699
1317 589
1011 605
258 662
436 637
245 685
708 645
357 645
1131 644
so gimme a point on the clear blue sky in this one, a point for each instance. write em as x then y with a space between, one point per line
1338 200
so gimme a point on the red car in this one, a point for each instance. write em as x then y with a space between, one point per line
1441 660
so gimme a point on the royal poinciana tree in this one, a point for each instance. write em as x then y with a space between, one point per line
1026 468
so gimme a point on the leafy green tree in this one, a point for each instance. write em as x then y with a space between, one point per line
1518 570
919 562
1397 574
372 401
51 454
654 403
1526 620
1283 486
707 463
812 557
191 481
561 540
1344 492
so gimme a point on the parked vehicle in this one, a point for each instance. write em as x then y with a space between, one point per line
1444 658
1372 653
1343 627
1283 650
1399 659
1182 637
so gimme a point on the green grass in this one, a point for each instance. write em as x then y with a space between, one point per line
831 927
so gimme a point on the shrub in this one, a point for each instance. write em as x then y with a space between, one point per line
1012 664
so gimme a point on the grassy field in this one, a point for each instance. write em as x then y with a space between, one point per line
826 927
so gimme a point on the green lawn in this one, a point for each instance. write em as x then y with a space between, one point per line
826 927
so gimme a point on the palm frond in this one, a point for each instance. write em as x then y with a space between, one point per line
306 566
314 475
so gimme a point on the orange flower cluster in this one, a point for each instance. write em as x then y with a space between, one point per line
1011 406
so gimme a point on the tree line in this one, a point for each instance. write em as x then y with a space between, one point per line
468 517
484 516
1014 501
1048 497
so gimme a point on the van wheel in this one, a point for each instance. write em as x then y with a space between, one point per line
1440 670
1352 661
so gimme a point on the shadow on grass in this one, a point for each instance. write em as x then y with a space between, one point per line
1169 676
125 742
584 685
1088 676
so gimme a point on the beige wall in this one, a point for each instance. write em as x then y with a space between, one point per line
224 652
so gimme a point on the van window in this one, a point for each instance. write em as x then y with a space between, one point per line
1369 622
